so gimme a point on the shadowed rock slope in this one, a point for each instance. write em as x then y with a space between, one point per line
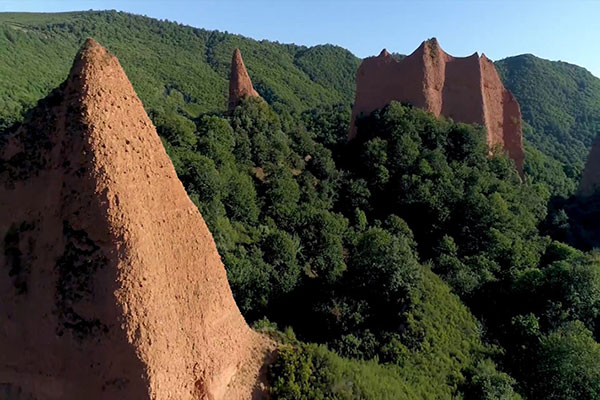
240 85
590 180
111 286
466 89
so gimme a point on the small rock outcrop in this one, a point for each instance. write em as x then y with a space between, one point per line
111 286
240 85
590 179
466 89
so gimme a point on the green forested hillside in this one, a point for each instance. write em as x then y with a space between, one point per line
346 244
441 369
184 69
560 101
171 66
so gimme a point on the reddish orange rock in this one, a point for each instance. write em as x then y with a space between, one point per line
240 85
111 284
466 89
590 180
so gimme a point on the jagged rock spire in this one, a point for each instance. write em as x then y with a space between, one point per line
240 85
117 290
466 89
590 179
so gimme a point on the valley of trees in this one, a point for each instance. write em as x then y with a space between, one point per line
408 263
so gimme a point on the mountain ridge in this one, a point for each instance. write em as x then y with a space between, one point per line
207 53
184 70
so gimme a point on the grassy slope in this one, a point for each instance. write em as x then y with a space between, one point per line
451 344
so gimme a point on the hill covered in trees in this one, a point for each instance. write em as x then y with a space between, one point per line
172 67
177 68
414 263
560 101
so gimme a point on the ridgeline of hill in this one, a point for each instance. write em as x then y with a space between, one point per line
171 66
184 69
560 101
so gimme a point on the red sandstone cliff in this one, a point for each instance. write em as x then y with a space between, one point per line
111 284
240 85
590 180
465 89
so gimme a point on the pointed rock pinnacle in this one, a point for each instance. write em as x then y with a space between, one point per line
240 85
124 295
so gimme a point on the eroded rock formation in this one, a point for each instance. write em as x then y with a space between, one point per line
111 286
240 85
590 179
465 89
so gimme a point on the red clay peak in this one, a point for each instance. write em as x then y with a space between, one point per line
384 53
240 85
91 52
91 42
433 42
115 253
466 89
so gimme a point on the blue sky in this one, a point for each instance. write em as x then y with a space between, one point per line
558 30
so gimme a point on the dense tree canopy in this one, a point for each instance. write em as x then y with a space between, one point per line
333 238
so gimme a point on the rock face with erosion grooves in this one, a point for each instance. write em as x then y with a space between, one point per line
240 85
465 89
111 286
590 180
